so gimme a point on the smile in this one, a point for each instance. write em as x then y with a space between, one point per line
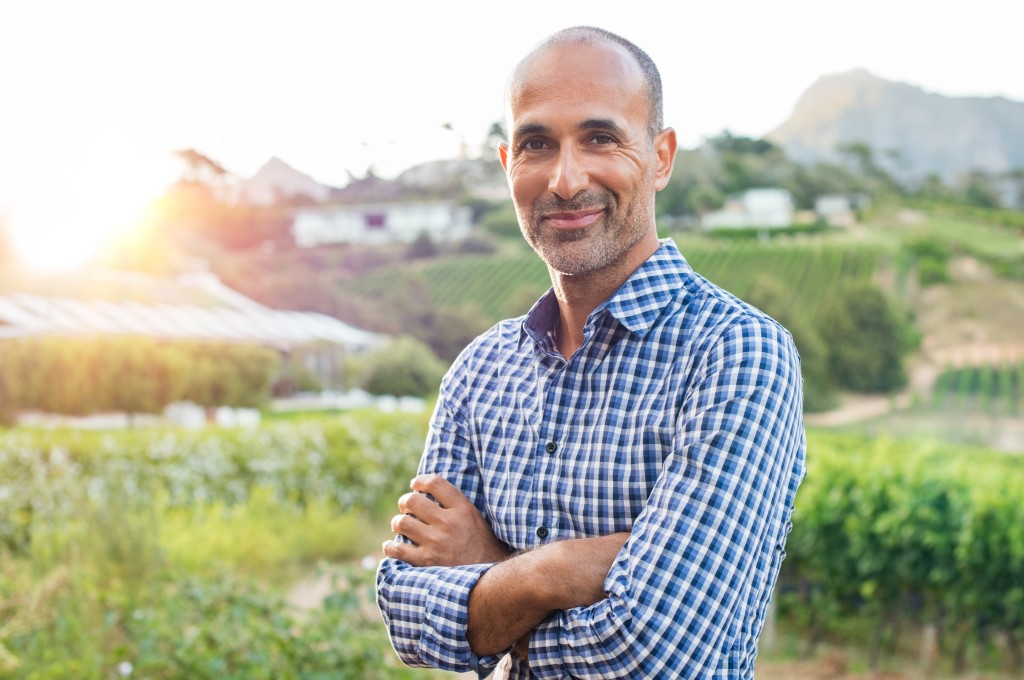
576 219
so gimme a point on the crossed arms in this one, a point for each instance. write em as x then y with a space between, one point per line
683 593
520 591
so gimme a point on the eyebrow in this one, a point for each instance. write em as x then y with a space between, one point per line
600 124
588 124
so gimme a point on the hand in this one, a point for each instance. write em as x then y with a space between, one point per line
448 531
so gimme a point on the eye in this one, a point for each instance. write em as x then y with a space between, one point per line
534 144
602 138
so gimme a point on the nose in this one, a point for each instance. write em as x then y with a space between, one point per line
569 176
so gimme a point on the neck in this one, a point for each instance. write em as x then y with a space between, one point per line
579 294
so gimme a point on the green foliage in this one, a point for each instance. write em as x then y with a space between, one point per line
232 629
228 375
865 340
78 376
992 390
931 255
760 233
155 548
403 367
889 530
502 222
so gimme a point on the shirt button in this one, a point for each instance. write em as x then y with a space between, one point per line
542 532
551 447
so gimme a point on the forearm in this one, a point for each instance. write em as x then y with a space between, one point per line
516 595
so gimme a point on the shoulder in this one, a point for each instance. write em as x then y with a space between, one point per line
722 325
481 361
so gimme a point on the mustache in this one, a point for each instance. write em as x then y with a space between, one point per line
581 201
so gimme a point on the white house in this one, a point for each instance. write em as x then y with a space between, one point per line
382 223
768 207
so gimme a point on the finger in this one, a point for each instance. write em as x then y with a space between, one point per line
446 493
400 551
410 527
418 504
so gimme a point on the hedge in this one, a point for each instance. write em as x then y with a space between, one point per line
79 376
905 531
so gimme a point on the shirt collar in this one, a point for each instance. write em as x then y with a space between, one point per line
636 305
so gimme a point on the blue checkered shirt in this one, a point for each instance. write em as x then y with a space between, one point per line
678 420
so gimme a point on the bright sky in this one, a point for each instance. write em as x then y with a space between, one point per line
95 95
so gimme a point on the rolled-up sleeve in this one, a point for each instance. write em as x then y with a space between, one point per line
426 612
426 609
688 592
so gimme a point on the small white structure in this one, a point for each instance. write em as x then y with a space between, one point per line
753 208
835 209
382 223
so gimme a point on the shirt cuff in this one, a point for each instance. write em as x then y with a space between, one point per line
447 615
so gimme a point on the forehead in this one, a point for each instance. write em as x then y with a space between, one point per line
571 80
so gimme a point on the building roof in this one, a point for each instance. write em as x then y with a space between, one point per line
219 315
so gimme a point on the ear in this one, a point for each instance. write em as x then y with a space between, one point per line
503 154
665 151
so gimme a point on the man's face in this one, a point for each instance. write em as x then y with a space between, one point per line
582 169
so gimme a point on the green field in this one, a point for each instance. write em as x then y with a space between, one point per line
173 551
504 286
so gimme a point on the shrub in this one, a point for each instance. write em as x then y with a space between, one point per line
404 367
865 340
78 376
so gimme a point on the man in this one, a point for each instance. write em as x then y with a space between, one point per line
608 481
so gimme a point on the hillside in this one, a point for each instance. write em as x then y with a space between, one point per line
932 133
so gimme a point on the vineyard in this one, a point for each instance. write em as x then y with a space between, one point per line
992 390
169 551
501 287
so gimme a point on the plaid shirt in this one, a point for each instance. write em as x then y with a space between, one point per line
679 420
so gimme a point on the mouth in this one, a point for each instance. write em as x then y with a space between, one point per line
574 219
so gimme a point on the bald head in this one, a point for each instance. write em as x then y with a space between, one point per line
591 35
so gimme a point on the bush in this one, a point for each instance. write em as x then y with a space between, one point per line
932 257
79 376
404 367
889 531
865 340
502 222
154 548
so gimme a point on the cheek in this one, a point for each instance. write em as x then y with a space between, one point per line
526 186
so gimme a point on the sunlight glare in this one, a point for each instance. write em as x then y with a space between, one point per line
66 221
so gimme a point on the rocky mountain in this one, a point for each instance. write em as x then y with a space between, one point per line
932 133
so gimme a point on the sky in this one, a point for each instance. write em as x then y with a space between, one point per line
94 96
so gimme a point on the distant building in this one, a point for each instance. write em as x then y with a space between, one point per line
381 223
838 210
767 207
193 307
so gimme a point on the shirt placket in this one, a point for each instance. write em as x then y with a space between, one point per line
559 387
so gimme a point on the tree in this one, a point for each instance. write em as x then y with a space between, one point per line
201 169
862 158
979 188
865 340
422 248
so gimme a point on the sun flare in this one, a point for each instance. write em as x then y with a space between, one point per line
70 219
